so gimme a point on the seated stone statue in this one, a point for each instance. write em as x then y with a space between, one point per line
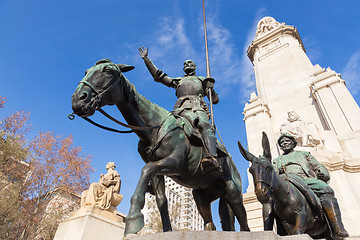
105 193
305 134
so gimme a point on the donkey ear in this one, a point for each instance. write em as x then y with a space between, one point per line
266 146
246 154
125 68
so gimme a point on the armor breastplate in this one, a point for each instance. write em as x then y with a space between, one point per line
189 86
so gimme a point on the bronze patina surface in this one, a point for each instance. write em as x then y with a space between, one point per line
293 190
170 149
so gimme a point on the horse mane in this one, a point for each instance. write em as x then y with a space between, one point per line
133 95
105 60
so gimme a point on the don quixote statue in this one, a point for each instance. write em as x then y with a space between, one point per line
169 144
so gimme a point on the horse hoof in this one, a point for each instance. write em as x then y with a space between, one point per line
340 235
210 226
130 236
134 223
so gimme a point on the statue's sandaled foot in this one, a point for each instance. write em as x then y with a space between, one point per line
210 226
210 164
134 223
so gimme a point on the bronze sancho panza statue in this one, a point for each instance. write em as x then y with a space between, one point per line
306 172
293 189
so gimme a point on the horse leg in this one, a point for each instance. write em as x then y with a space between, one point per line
226 216
157 189
233 195
301 222
268 215
280 226
203 202
158 183
135 219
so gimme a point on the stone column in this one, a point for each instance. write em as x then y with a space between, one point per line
257 119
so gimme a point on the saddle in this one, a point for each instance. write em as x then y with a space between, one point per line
173 122
194 136
311 197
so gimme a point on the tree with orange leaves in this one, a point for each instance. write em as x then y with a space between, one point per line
13 170
2 101
55 163
30 172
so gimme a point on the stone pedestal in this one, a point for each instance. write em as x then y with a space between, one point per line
213 235
91 223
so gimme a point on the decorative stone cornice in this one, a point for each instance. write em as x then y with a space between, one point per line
250 198
255 107
344 165
323 78
268 29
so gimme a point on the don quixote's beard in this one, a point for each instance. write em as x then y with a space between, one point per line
189 71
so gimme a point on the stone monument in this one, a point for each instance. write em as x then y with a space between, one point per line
105 193
97 218
286 79
306 134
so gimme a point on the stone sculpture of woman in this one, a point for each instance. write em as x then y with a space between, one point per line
105 193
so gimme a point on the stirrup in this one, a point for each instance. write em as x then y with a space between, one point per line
210 164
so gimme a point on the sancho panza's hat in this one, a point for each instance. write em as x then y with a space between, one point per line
288 135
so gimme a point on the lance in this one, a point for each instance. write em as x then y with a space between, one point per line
208 66
209 76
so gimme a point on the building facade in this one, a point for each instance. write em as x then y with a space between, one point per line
311 102
182 208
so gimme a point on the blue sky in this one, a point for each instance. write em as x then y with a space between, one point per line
46 46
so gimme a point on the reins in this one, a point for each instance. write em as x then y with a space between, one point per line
124 124
106 128
287 179
72 117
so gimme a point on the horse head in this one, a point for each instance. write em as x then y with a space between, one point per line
261 170
101 86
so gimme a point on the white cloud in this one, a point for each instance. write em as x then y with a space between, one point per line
232 69
351 73
312 49
170 44
247 72
223 57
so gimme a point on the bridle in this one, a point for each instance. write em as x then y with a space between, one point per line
267 183
96 103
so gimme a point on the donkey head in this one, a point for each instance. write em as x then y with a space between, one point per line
261 169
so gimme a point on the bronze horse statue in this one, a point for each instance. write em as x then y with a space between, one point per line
164 147
281 200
